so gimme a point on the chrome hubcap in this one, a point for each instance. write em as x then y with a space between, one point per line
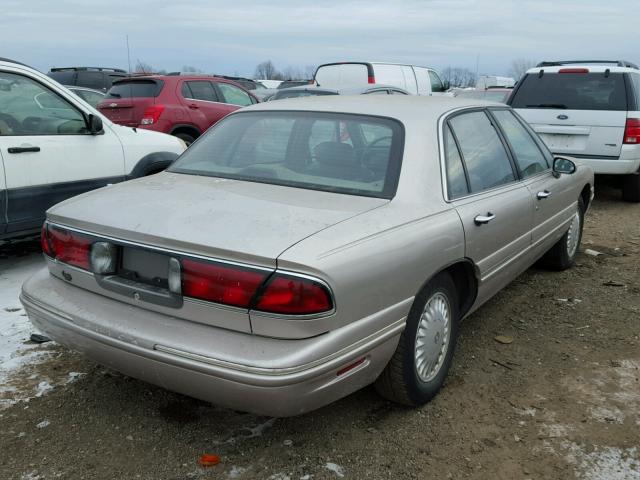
573 235
432 337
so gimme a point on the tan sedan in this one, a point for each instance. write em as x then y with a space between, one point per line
305 248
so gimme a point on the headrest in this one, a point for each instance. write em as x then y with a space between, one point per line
335 154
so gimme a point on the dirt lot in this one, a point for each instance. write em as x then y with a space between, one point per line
561 401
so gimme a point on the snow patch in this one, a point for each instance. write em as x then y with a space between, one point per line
43 424
335 468
604 463
235 472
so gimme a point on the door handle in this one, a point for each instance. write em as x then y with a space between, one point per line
482 219
23 149
543 194
193 106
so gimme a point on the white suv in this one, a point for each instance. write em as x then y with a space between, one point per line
587 109
54 145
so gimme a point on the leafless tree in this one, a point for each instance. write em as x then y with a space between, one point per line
143 67
292 73
520 66
459 77
267 71
309 72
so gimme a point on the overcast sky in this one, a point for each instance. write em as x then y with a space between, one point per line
229 37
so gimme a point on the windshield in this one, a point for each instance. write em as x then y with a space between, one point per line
572 91
343 153
135 88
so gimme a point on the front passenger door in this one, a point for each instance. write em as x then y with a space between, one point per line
494 207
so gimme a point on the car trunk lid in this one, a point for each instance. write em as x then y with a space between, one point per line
575 113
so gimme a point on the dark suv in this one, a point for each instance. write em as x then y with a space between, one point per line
98 78
181 105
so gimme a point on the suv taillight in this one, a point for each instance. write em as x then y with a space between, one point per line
632 131
65 246
151 114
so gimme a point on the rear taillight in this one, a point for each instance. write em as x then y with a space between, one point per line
632 131
44 240
151 114
573 70
221 283
292 295
371 79
67 247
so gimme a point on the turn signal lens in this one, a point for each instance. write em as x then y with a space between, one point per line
68 247
221 283
293 295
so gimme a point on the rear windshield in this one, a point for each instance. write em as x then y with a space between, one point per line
573 91
343 153
342 75
135 88
300 93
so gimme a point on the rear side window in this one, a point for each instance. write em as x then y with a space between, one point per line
529 157
65 78
199 90
456 179
93 80
135 88
572 91
483 152
635 80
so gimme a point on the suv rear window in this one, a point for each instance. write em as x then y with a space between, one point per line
332 152
573 91
135 88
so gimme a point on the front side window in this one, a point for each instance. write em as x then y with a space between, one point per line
234 95
529 157
436 83
483 152
28 108
343 153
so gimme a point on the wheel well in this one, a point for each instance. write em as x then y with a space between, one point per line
187 130
463 275
586 195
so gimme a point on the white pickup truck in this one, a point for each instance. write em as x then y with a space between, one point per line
54 145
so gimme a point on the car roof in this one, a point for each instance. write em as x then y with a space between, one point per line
375 63
404 108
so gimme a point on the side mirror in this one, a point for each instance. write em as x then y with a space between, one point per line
95 125
563 165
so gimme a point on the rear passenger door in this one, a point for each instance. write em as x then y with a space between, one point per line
553 197
203 102
495 208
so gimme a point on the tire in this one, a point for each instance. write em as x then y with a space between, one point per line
400 381
186 138
631 188
562 255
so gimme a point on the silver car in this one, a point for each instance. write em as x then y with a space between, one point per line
305 248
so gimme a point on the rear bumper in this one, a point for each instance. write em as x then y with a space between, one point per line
92 324
617 166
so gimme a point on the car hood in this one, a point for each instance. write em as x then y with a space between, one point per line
231 219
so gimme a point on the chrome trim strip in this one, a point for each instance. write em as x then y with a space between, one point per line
214 259
366 344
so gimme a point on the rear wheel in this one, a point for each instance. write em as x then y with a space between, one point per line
631 187
562 255
424 354
186 138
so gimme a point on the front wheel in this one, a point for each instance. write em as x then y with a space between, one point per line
424 354
562 255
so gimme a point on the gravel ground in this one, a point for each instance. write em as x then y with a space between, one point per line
561 401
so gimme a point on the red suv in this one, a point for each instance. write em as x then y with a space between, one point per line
184 106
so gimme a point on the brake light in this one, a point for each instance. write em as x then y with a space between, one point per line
573 70
67 247
44 240
220 283
294 296
151 114
632 131
371 79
